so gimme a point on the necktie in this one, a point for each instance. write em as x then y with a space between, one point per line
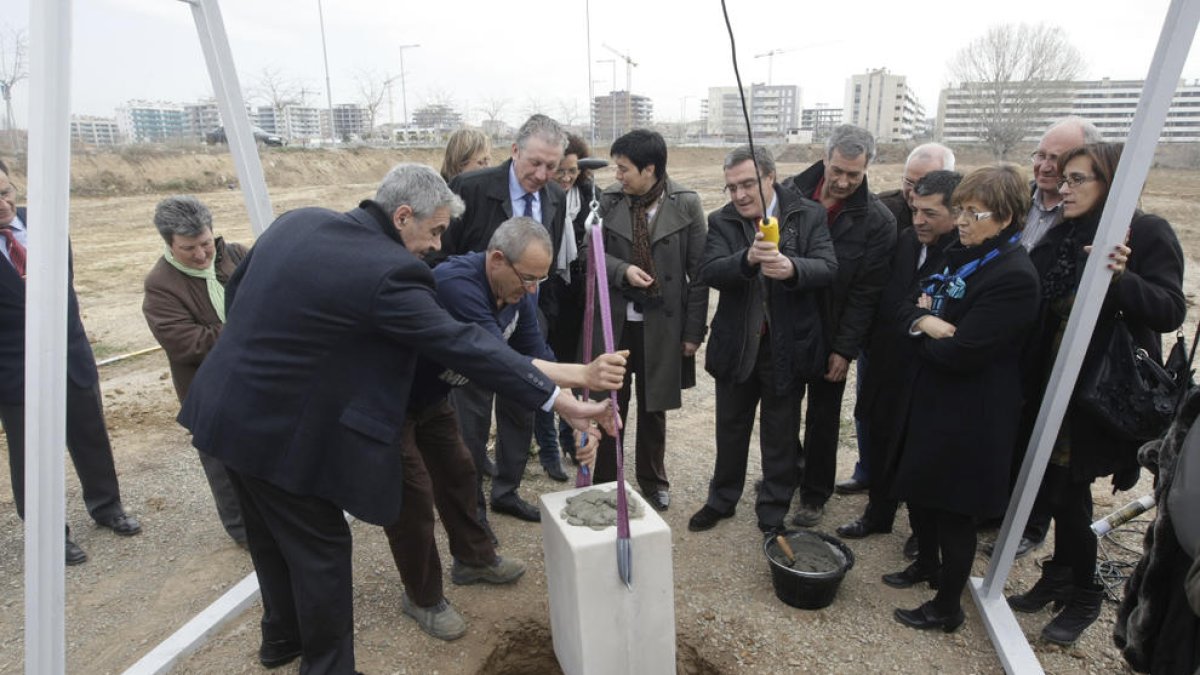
16 252
528 198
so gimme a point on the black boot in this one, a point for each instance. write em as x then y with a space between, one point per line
1053 586
1082 611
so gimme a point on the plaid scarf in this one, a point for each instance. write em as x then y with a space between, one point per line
638 205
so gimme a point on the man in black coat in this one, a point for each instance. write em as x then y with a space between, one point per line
864 233
521 186
87 436
304 396
883 397
766 335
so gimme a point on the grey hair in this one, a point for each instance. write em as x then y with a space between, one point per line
543 127
850 141
762 157
183 215
421 188
932 151
515 235
1090 133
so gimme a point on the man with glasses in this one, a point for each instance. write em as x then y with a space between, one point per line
87 436
494 290
864 233
1046 211
522 186
766 334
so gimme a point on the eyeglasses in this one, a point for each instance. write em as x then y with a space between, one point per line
1075 180
530 282
1039 156
748 185
972 215
562 173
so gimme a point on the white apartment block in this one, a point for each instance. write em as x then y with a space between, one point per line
294 122
883 104
150 121
199 119
1109 104
89 130
774 109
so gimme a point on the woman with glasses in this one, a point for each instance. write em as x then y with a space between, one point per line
569 279
1146 289
969 321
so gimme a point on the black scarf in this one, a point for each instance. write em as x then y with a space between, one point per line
1063 276
638 205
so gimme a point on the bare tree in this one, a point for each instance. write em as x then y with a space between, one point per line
276 89
13 68
373 89
568 112
1015 76
492 108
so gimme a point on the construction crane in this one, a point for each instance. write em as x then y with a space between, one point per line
630 64
770 56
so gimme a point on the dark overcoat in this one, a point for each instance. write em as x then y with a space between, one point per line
798 350
957 444
308 386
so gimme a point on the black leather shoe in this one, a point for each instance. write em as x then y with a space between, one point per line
926 617
911 576
275 653
860 528
518 508
910 547
1024 548
850 487
706 519
555 472
122 523
75 555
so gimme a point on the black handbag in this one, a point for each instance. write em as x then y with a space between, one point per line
1128 392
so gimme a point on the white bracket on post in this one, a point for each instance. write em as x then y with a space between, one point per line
1179 29
215 44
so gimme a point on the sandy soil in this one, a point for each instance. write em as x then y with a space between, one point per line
135 592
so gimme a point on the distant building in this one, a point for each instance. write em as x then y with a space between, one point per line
883 104
819 122
1109 104
351 119
94 131
294 122
618 113
199 119
151 122
437 117
774 109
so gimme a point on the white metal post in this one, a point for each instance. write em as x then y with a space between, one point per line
215 44
46 333
1179 29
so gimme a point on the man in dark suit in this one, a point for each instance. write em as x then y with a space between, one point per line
521 186
883 399
304 396
87 437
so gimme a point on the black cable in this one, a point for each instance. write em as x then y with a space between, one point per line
746 115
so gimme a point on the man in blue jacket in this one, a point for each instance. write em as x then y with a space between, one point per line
304 396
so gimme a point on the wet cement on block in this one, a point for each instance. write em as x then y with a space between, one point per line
597 509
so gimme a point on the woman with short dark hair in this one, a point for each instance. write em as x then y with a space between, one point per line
956 448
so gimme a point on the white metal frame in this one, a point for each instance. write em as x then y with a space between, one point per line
1179 29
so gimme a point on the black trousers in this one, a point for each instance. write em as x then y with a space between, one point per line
779 422
1070 504
514 431
651 442
822 423
87 442
946 540
301 550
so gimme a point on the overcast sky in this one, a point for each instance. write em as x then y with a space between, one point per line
475 51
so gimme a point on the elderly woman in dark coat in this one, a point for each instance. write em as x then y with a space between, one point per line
184 305
1146 289
969 322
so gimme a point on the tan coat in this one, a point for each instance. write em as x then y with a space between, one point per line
677 236
181 316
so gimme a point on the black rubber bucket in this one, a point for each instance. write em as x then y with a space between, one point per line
813 586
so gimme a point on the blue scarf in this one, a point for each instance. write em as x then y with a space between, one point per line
947 284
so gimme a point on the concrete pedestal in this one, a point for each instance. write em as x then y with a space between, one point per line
599 626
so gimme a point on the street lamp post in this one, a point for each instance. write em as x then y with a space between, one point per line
403 84
328 88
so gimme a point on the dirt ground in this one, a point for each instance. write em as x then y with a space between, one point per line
133 593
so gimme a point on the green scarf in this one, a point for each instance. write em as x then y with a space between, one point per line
216 292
